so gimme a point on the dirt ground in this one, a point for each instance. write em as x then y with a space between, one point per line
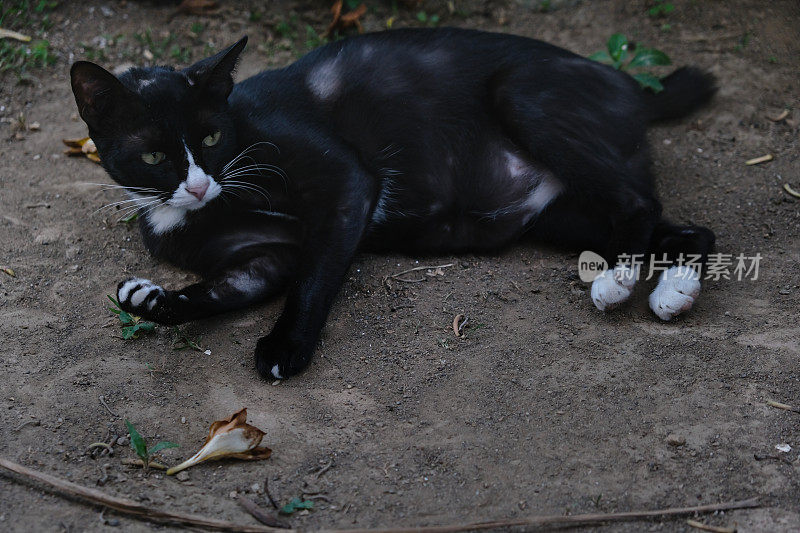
545 406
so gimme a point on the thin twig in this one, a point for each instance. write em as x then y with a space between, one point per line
140 463
706 527
788 188
269 496
556 520
131 507
100 445
259 514
415 269
785 407
762 457
757 160
103 401
324 469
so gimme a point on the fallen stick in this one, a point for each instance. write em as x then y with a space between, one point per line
126 506
131 507
561 520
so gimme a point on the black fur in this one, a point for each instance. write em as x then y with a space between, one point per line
413 140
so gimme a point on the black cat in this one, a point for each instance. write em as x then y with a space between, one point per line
423 141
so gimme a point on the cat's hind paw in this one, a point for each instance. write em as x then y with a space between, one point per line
140 296
675 293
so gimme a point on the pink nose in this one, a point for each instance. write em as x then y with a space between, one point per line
198 191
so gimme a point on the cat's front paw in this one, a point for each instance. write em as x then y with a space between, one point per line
141 297
276 358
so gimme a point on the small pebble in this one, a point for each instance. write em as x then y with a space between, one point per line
207 352
122 441
183 475
183 420
674 439
233 494
255 487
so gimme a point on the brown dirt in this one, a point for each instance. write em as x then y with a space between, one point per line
545 406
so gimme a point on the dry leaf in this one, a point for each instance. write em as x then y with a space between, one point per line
348 20
82 147
229 438
9 271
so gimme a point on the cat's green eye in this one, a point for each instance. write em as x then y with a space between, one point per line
153 158
212 139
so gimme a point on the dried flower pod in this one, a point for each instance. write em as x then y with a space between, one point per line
229 438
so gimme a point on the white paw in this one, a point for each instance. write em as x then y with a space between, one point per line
614 286
138 293
276 372
675 293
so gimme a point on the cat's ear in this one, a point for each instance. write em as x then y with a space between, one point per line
214 75
98 93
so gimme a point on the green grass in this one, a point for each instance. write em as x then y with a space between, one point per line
31 18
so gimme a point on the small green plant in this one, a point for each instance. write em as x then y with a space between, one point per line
661 9
130 218
772 59
428 20
296 505
31 18
182 341
197 28
180 54
157 47
744 40
139 445
313 39
131 324
618 55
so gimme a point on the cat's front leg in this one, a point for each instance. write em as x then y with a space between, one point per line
144 298
235 288
334 232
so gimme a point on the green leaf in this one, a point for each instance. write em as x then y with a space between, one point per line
130 218
126 318
648 81
137 442
647 57
295 505
617 44
129 332
146 326
163 445
601 56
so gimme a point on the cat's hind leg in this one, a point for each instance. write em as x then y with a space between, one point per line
593 140
686 248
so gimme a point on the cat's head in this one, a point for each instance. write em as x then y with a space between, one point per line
164 134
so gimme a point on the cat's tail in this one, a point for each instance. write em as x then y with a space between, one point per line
685 90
